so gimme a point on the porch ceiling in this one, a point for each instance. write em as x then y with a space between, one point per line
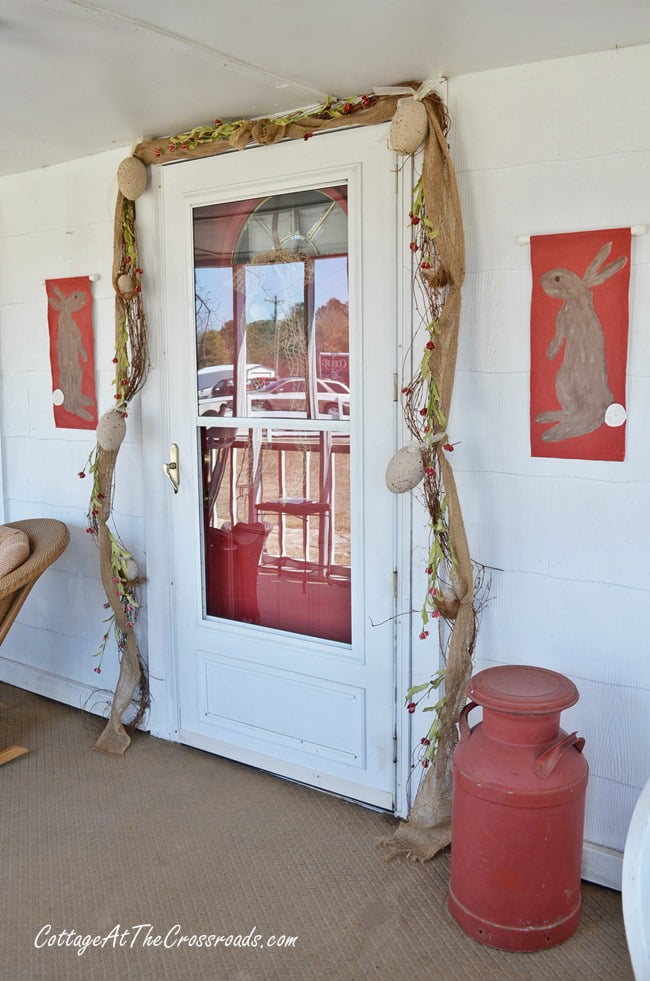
80 77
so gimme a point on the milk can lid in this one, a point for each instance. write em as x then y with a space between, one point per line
519 688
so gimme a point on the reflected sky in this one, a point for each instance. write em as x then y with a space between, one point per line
281 284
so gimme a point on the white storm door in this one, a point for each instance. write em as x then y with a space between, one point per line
279 297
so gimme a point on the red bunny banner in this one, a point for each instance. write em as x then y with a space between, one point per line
69 317
578 344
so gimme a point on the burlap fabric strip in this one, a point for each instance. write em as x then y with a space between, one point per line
264 132
131 369
114 740
428 828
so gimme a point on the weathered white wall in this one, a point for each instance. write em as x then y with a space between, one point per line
554 147
58 222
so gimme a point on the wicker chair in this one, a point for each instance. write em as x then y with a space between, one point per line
48 538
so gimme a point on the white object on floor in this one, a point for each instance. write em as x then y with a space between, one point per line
636 887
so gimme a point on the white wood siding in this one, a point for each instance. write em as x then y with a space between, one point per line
554 147
58 222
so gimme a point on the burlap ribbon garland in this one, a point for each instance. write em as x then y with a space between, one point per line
132 366
264 132
428 828
114 740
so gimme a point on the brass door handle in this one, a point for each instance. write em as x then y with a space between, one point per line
171 467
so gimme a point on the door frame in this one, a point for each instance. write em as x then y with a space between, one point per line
159 608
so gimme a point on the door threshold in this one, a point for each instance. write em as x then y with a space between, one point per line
379 800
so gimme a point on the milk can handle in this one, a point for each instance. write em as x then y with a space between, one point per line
549 759
463 724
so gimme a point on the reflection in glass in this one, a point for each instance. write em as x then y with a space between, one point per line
277 528
272 341
271 300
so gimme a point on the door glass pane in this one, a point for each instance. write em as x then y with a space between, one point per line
272 341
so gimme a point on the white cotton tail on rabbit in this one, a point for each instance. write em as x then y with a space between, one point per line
581 382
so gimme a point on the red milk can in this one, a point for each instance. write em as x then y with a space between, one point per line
518 811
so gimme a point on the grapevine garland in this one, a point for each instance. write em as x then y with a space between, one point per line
218 137
427 423
437 246
118 569
452 584
123 567
239 132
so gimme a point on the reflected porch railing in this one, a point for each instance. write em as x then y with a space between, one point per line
289 480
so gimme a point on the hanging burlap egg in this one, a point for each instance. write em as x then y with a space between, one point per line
111 430
409 126
405 470
132 178
125 286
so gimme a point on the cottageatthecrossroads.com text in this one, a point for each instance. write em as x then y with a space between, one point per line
145 935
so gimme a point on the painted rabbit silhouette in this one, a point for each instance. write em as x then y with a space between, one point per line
71 352
581 382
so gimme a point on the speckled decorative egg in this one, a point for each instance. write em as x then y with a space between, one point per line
111 430
409 126
405 470
126 286
132 178
131 569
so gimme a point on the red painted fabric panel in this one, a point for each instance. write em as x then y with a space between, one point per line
69 316
578 349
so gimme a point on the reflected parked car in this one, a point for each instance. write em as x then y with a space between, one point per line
287 395
221 395
212 376
219 401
